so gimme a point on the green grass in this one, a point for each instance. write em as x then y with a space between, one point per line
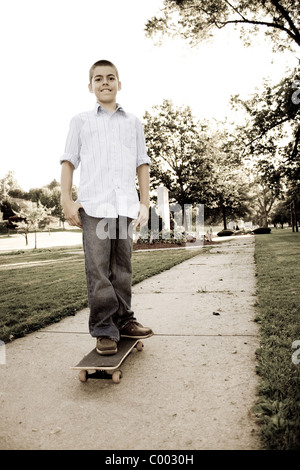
278 279
40 287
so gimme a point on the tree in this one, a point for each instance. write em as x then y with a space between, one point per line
280 214
196 165
229 183
293 203
7 184
270 140
264 200
196 20
40 195
53 185
272 128
57 206
35 216
177 146
8 208
50 196
272 133
231 194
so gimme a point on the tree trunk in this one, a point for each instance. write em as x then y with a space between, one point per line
224 217
265 220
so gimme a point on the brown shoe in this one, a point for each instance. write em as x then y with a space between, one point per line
135 330
106 346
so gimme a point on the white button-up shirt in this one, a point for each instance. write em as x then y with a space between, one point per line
109 148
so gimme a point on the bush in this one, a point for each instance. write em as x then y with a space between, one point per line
225 233
260 230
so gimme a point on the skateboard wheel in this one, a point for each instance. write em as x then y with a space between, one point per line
139 346
116 377
83 376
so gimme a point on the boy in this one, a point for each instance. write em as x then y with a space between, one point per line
110 145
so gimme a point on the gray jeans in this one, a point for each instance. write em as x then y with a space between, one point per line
107 249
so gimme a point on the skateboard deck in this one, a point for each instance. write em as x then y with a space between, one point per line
106 367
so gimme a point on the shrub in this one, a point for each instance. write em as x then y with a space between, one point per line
260 230
225 233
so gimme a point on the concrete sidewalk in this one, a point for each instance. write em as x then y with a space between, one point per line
192 387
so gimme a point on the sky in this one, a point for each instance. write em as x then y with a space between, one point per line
49 46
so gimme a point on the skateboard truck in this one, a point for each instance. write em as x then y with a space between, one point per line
84 375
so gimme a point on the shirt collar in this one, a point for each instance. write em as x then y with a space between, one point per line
98 108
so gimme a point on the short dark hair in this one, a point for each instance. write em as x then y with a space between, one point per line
100 63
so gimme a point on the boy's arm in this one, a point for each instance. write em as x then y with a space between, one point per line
70 207
144 183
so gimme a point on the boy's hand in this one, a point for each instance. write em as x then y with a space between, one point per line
142 217
71 209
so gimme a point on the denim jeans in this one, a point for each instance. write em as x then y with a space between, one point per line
107 249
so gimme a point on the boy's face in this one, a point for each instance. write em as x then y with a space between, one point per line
105 84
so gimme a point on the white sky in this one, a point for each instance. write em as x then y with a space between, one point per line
49 46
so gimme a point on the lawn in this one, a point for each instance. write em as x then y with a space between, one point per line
40 287
278 279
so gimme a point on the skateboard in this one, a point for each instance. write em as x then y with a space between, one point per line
106 367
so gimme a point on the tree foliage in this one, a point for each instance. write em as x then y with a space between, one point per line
7 184
34 216
196 165
270 143
177 146
196 20
229 181
271 136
